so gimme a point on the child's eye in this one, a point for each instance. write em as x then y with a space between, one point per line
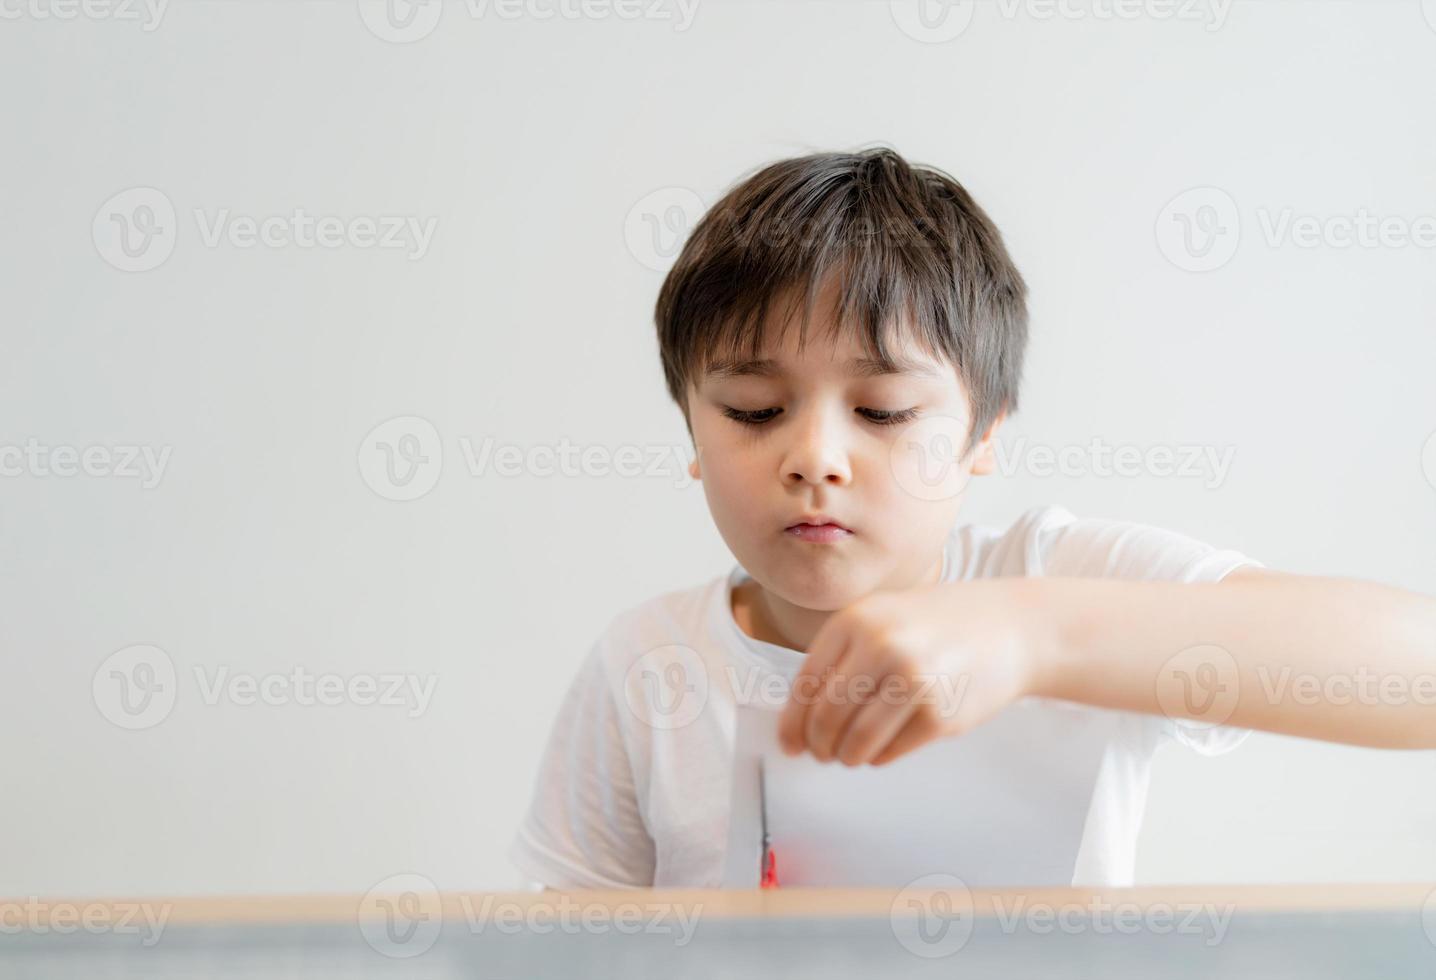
888 418
751 418
875 415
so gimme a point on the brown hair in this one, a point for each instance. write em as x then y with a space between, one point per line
903 238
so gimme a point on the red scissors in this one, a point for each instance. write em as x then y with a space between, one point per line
768 868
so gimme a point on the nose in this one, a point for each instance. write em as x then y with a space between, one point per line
818 453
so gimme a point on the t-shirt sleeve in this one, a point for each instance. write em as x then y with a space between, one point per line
1060 544
584 827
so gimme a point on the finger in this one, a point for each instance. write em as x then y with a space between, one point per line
920 729
843 697
824 653
852 687
873 729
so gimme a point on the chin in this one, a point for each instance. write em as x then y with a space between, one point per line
816 589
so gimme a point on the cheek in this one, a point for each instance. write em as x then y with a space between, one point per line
731 481
905 495
925 464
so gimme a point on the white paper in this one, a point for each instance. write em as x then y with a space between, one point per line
1003 805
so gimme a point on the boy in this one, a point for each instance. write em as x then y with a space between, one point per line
844 334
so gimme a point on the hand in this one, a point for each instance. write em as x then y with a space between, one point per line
896 670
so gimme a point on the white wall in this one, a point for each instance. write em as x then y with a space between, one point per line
528 322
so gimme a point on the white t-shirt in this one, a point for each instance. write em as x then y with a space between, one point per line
634 788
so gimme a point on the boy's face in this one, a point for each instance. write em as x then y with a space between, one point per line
815 444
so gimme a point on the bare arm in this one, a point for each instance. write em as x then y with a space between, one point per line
1333 659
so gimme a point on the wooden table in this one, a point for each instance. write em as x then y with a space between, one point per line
406 928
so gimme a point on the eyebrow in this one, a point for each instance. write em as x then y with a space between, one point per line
859 367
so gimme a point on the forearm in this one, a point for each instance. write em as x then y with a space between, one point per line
1333 659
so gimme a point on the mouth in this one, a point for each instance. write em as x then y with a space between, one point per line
819 529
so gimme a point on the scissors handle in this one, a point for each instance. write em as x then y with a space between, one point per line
770 869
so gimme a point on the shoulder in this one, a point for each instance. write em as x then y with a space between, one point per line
986 551
649 637
1052 541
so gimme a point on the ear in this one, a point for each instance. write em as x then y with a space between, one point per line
688 424
984 461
